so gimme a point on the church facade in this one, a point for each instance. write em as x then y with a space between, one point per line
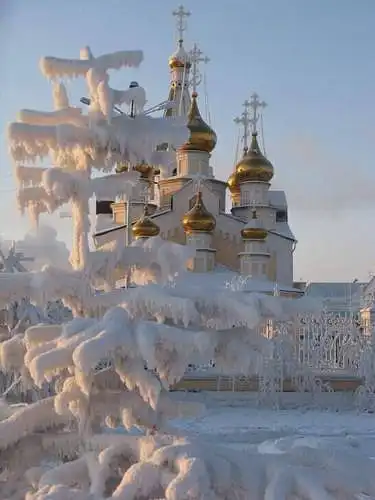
186 203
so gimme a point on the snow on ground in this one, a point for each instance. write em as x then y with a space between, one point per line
237 420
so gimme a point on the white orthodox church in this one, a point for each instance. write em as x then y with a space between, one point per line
187 204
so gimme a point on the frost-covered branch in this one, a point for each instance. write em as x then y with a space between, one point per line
146 336
54 67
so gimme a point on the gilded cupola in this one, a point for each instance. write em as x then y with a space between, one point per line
198 218
180 58
233 184
202 136
254 229
147 171
145 227
253 166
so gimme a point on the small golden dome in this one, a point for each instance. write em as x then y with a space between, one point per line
233 184
202 137
144 169
254 229
254 166
180 58
198 218
145 227
121 167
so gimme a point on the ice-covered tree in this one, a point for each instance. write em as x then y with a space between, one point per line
113 364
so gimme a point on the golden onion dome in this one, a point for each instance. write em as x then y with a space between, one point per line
254 229
143 168
254 166
198 218
121 167
233 184
202 137
180 58
145 227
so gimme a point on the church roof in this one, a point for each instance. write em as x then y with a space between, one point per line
335 290
277 198
283 230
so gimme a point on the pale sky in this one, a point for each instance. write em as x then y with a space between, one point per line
311 61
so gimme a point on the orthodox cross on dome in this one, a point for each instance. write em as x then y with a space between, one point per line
253 205
255 104
196 57
197 183
145 195
181 14
245 120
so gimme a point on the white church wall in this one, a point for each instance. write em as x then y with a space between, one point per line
219 189
230 225
284 258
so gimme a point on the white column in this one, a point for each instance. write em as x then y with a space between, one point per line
204 260
254 260
193 163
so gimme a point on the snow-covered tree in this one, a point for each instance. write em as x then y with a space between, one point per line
113 364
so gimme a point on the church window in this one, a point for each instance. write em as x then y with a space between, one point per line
281 216
103 207
245 198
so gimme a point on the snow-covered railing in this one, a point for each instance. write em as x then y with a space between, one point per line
325 343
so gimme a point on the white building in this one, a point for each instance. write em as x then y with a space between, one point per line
341 298
188 202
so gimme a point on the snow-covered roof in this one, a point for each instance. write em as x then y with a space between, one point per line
283 229
277 198
370 286
343 290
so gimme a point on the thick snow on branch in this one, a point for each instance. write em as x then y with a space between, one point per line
109 186
47 118
182 469
29 176
102 137
140 136
31 141
123 337
104 98
167 260
63 112
60 96
58 186
54 67
48 284
134 139
27 420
